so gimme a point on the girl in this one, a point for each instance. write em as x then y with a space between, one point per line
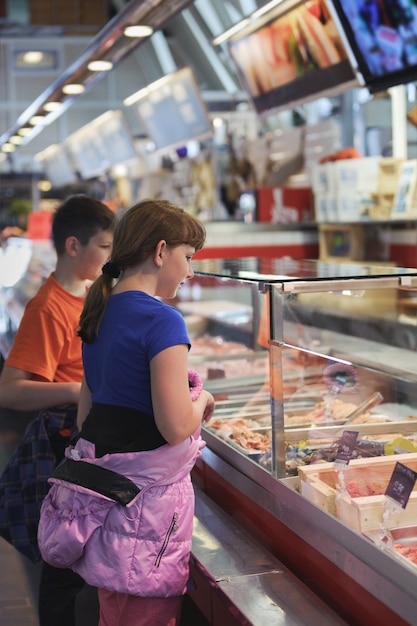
139 428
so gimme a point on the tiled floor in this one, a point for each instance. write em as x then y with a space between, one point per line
19 577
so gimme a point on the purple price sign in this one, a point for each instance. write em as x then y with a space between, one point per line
346 447
401 484
340 376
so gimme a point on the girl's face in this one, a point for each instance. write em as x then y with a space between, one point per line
175 269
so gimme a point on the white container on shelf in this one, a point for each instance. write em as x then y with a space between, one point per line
357 174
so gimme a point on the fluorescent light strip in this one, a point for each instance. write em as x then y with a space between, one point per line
228 34
265 8
145 91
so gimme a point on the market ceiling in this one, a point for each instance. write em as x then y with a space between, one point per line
111 45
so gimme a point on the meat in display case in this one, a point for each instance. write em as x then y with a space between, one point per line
297 354
288 376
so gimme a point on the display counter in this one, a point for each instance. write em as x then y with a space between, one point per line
297 352
286 390
26 266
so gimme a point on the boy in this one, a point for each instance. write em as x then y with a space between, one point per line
43 373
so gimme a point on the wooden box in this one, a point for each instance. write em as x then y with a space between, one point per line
319 483
341 242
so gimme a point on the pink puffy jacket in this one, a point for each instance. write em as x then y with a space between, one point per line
140 549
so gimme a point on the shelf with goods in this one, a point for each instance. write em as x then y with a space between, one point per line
271 413
392 242
366 210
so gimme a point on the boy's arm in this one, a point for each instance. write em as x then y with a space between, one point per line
84 404
19 392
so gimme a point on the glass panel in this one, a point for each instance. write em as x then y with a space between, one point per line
222 316
288 369
291 270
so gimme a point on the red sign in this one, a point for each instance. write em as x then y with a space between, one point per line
285 205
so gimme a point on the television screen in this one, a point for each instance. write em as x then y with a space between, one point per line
383 37
173 112
101 144
292 58
57 165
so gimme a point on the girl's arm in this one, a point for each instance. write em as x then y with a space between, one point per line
176 416
85 403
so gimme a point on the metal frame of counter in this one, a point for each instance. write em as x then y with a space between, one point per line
362 583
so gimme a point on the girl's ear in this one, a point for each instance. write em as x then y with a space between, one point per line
160 250
72 246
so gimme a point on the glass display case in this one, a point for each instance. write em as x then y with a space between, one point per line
297 353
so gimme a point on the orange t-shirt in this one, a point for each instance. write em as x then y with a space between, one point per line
46 343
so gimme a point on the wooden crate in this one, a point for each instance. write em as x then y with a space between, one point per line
342 242
319 483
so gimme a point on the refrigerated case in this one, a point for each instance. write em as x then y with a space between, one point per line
297 353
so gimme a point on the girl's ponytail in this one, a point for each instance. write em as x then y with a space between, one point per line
94 307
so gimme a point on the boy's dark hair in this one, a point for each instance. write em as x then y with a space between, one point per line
82 217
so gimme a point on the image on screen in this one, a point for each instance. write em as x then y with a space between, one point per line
292 57
383 37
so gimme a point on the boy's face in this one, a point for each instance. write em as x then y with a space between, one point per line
92 257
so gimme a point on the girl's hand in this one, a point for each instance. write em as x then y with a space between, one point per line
210 405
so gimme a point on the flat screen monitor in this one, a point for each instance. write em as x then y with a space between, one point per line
173 112
383 37
292 58
101 144
57 165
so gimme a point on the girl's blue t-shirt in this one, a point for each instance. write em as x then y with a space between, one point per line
135 327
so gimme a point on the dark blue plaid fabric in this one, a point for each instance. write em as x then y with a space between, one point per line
23 484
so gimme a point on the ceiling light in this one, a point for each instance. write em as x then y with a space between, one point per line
36 119
44 185
100 66
16 140
52 106
73 89
217 122
8 147
23 132
33 57
140 30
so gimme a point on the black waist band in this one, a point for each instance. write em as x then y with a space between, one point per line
99 479
120 429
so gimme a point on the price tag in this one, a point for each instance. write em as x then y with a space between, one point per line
346 447
401 484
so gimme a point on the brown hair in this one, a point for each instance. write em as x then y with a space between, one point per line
82 217
136 236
